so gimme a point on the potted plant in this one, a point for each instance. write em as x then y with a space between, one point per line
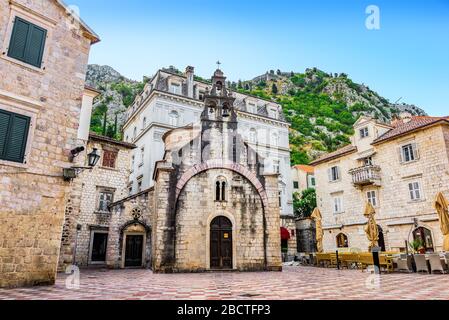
417 246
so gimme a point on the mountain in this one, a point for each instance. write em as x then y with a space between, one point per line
321 107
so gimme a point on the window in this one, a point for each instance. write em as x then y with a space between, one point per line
135 133
105 198
338 205
173 118
295 185
139 186
99 246
364 132
334 174
280 199
133 160
311 181
276 166
109 157
368 161
253 135
342 241
27 42
415 191
201 95
220 189
252 108
409 152
13 136
175 88
372 197
144 123
142 156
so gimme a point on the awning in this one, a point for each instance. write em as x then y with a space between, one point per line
365 154
285 234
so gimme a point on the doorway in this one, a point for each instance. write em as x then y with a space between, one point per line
424 235
221 243
134 250
381 241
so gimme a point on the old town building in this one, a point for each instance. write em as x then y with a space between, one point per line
88 217
303 177
45 49
399 168
172 100
213 204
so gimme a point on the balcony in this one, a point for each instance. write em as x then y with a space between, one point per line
366 175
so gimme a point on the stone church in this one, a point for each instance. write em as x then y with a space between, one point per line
213 205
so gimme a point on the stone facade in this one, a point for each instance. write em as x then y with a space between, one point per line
303 178
209 174
290 244
173 100
85 215
408 165
306 235
33 192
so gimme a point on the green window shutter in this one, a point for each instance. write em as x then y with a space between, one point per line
27 42
14 135
35 47
5 119
19 38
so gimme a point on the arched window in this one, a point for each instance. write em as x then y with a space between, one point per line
423 237
220 189
342 241
173 118
253 135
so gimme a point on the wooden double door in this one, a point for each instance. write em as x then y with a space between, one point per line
134 250
221 243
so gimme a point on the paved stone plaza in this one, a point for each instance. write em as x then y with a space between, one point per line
292 283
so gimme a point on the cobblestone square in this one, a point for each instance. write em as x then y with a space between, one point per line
293 283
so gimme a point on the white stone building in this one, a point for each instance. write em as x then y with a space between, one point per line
399 168
303 177
171 100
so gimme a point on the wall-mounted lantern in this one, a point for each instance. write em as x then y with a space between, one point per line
73 172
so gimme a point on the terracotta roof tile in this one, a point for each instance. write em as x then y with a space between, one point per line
402 127
336 154
95 136
305 168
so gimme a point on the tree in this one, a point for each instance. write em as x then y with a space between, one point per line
304 204
274 89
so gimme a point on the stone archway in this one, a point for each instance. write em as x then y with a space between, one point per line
134 236
219 164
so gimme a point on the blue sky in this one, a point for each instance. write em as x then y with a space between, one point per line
408 57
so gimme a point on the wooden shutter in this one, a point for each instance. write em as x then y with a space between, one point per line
401 155
329 174
27 42
13 136
5 119
415 151
35 47
19 38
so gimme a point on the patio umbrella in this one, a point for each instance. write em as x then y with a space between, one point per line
316 215
372 233
441 205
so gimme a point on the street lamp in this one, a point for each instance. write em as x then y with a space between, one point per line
93 158
73 172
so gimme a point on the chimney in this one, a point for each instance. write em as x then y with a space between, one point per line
190 72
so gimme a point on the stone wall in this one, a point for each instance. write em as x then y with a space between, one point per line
82 213
33 195
288 222
306 235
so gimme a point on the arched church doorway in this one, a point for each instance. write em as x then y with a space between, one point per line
221 243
